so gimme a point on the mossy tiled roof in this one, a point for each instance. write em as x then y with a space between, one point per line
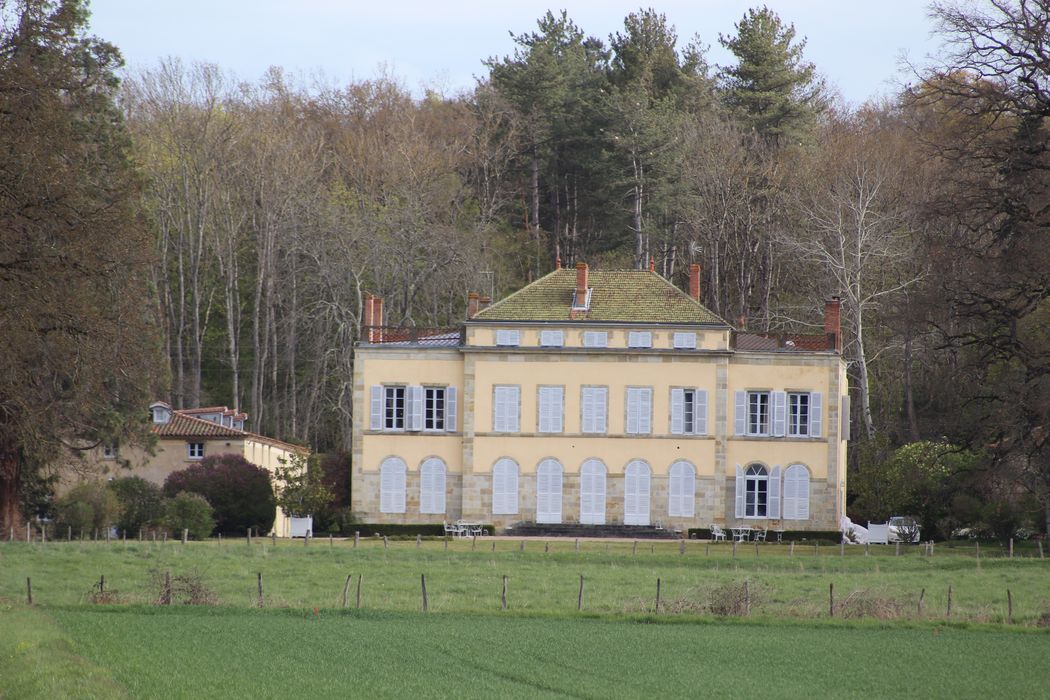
628 296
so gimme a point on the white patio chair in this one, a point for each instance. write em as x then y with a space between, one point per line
717 534
760 535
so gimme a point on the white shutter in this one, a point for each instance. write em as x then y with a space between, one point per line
790 511
392 486
677 411
507 338
645 424
681 490
592 493
504 487
552 339
739 492
601 409
844 430
414 407
779 413
816 413
513 409
432 487
505 409
376 420
639 339
639 410
595 339
802 492
593 408
740 414
773 495
548 491
700 412
550 409
685 341
636 494
450 409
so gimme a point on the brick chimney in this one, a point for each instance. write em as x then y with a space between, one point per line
484 303
652 264
833 322
581 286
373 317
694 281
472 304
557 263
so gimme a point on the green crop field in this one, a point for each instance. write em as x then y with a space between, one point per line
761 622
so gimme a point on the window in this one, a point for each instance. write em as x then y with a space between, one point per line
639 410
639 339
399 407
636 490
595 339
798 414
432 486
593 401
394 407
552 339
508 338
196 450
757 492
551 409
581 304
548 491
751 416
688 412
796 493
109 451
685 341
392 473
681 501
592 492
505 409
434 408
505 487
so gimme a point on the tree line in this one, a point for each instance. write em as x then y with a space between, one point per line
257 215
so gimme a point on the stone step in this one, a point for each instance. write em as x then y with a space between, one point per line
638 532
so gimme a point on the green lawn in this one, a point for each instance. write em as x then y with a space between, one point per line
195 652
617 581
302 643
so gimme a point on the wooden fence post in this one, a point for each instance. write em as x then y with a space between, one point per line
978 550
681 546
419 541
922 595
165 595
634 548
261 600
546 547
248 537
473 542
867 553
386 542
185 534
1009 607
898 552
446 543
29 536
273 538
1011 547
579 597
734 549
69 533
493 545
707 549
791 551
842 549
656 608
503 597
423 585
831 600
577 545
747 598
756 550
359 577
346 588
357 538
949 611
29 590
521 548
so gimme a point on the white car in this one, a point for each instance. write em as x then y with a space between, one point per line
903 528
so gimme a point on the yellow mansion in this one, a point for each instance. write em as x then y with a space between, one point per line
599 397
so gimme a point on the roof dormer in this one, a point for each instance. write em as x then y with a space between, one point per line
161 412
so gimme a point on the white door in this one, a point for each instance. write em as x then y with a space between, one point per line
592 493
636 494
548 492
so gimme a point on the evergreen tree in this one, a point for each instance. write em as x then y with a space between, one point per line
772 89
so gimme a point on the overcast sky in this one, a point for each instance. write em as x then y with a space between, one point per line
856 45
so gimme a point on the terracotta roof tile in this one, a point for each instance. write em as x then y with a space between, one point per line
619 295
184 426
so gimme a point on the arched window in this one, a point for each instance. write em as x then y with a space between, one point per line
432 486
796 493
392 485
592 492
548 491
681 501
636 481
757 492
505 487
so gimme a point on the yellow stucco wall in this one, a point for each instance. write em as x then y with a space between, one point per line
662 337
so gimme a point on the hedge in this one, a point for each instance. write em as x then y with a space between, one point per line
402 530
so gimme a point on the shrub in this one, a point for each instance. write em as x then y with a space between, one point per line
189 511
87 507
240 492
141 503
301 490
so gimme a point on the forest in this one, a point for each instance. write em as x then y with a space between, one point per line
239 225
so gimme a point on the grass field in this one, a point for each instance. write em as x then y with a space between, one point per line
301 643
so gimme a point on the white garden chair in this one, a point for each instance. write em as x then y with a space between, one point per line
718 534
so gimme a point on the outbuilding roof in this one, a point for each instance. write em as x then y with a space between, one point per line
182 426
